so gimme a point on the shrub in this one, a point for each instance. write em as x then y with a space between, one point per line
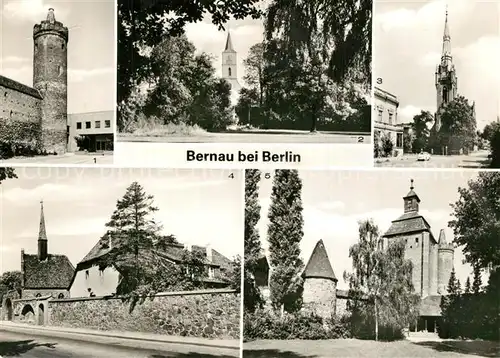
387 146
266 324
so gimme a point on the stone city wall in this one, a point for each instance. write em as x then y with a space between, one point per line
206 313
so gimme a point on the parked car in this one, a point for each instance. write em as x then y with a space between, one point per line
424 156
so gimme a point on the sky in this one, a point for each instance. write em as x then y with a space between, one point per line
199 206
408 37
334 202
91 47
244 34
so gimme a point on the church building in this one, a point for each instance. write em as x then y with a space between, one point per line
44 274
230 69
446 80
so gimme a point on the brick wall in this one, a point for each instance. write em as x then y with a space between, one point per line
45 292
20 114
207 313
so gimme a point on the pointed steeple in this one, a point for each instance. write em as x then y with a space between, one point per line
442 238
42 236
446 53
42 233
51 18
319 265
229 44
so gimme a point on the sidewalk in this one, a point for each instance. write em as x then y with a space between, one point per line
131 337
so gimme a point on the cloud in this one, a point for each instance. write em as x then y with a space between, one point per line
29 10
22 74
76 75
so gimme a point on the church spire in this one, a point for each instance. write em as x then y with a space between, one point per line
411 200
229 44
42 236
446 54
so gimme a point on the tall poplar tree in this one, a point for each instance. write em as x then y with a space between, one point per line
476 282
253 250
285 232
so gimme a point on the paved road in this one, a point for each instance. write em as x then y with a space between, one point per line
357 348
257 138
33 345
63 159
475 161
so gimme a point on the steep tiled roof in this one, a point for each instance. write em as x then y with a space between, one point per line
218 259
412 194
429 306
16 86
408 223
319 265
54 272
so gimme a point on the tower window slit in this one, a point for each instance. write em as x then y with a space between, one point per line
229 71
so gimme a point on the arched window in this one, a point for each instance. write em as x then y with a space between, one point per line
229 70
61 295
38 295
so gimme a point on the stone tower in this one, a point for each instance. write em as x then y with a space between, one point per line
445 263
445 77
421 246
50 78
230 64
320 283
42 237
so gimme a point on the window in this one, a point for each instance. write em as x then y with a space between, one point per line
380 115
416 242
62 47
78 125
399 140
61 295
390 117
107 124
87 125
211 272
87 274
60 70
38 295
98 124
408 205
229 70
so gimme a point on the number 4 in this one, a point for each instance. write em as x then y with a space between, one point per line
231 176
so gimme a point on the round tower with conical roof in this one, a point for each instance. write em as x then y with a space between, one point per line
320 283
446 253
50 78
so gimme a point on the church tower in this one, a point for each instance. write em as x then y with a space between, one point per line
230 65
50 78
42 237
445 76
445 263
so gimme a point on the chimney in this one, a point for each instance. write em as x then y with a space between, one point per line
209 254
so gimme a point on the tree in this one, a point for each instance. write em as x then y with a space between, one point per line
420 129
467 286
387 145
10 281
7 173
254 71
143 24
316 47
285 231
384 277
133 232
476 223
476 283
453 288
458 124
253 250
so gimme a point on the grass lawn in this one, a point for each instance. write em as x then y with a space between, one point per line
359 348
